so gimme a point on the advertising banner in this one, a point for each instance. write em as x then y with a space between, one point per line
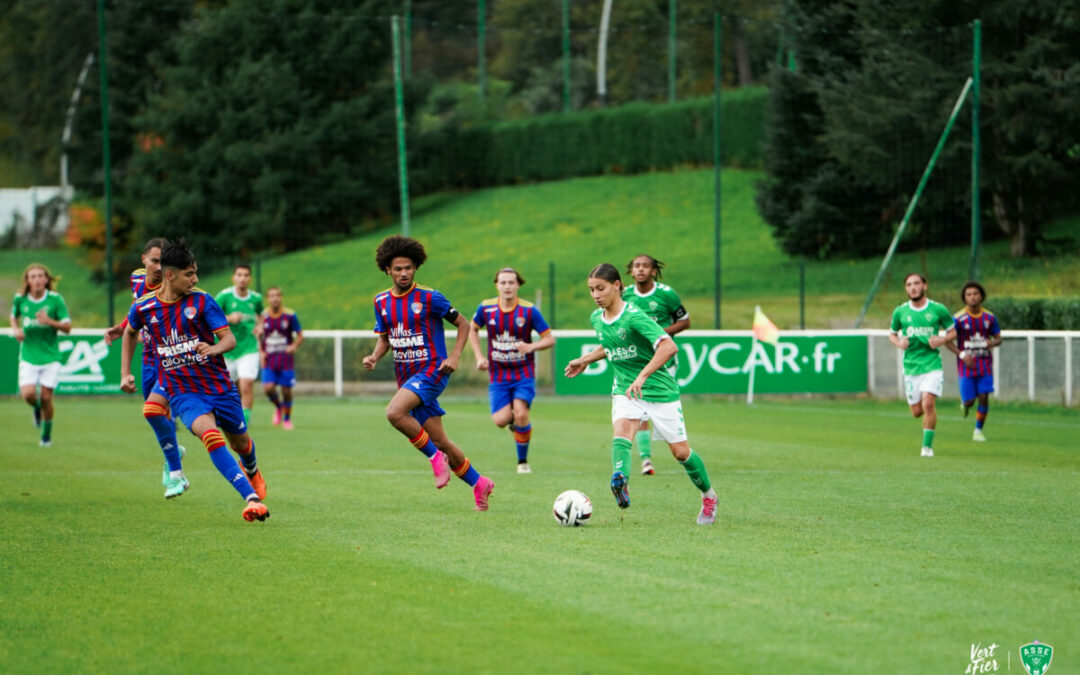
826 363
87 365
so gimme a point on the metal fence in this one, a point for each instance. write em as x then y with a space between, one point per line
1035 366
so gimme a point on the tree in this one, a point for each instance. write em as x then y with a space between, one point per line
884 78
276 126
1031 119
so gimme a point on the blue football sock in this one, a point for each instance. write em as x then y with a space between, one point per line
522 435
467 473
248 460
165 431
227 467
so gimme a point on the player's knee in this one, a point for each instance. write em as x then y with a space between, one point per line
394 415
153 409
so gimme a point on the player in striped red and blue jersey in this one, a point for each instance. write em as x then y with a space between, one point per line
974 334
280 338
148 279
408 321
187 333
511 365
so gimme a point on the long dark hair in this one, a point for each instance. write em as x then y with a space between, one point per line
607 272
656 265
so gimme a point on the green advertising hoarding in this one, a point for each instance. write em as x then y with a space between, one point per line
87 365
720 364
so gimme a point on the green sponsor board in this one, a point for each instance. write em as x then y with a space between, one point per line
721 365
87 365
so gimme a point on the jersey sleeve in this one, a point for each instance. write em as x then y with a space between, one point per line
441 307
478 316
678 311
538 323
641 322
62 314
214 316
295 323
894 326
259 306
15 304
133 318
945 318
219 299
380 327
995 329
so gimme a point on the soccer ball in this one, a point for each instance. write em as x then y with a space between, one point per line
572 508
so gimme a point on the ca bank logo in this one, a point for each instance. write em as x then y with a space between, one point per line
82 361
1035 656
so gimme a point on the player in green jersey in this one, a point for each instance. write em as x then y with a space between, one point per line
642 389
663 306
243 307
37 313
919 327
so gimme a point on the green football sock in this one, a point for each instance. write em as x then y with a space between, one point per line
695 468
247 415
46 430
620 455
928 438
644 443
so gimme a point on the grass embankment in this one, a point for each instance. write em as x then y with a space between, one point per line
578 223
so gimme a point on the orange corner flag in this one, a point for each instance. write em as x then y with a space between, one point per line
765 330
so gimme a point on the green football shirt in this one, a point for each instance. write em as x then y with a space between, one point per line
662 303
917 325
251 306
630 341
39 345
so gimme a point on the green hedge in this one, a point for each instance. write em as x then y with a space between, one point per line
633 138
1036 313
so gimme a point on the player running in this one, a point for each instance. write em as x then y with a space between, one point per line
663 306
977 332
281 337
510 322
242 307
148 279
408 320
919 327
37 313
638 349
181 322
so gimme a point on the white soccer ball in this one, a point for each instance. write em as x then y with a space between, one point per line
572 508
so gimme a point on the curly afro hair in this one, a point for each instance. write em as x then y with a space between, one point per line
397 246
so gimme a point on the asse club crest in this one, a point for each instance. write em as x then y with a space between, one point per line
1036 657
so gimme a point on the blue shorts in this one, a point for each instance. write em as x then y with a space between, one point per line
971 387
502 394
285 378
428 390
225 407
150 383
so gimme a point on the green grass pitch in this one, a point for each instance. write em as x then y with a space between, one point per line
837 548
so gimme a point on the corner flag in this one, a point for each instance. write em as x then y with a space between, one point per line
765 330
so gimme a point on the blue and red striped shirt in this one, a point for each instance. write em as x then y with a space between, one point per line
413 324
973 333
140 287
278 333
505 331
174 328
